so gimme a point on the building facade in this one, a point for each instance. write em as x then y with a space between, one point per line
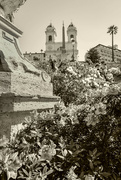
63 50
35 58
105 53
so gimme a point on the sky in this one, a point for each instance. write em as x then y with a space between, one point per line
91 18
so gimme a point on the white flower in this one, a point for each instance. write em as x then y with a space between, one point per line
106 85
91 119
14 130
70 69
83 81
88 80
47 151
95 84
109 76
105 91
100 108
63 121
115 70
89 177
71 175
114 89
95 75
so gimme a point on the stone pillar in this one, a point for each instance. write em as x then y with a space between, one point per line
23 88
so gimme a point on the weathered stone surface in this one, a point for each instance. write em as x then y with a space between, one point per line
14 109
8 119
11 58
23 88
7 7
25 84
11 103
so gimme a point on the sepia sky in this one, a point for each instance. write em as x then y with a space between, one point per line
91 18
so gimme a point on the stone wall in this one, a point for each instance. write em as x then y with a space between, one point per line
23 88
10 118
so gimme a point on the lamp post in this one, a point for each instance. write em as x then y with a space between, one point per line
41 55
73 42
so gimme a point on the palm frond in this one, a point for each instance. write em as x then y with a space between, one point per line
112 29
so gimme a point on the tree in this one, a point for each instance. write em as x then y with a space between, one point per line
112 30
93 56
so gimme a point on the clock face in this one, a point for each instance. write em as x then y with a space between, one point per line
50 47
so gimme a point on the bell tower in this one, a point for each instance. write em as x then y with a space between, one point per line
50 37
72 33
72 42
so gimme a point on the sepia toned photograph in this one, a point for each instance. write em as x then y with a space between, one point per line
60 90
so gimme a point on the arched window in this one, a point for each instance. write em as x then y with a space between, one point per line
50 38
71 36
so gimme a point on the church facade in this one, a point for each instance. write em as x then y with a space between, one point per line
63 50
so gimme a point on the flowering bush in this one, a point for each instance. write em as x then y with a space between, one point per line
115 71
76 142
83 83
79 139
80 83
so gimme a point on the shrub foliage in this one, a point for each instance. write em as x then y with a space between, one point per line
79 139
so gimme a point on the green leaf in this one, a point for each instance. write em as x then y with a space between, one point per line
57 167
21 177
45 169
97 162
114 176
6 158
94 151
98 154
70 151
77 164
25 172
12 174
90 153
105 174
60 156
82 174
91 165
49 172
64 153
33 132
